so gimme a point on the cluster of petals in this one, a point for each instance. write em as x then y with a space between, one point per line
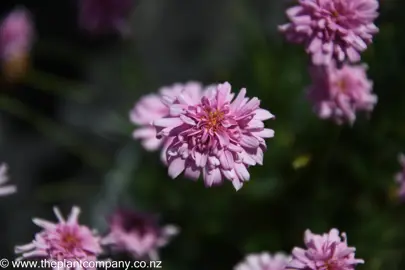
338 94
66 240
214 136
400 177
105 16
332 29
323 252
264 261
138 234
5 190
151 107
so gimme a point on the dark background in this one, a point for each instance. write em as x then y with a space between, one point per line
66 135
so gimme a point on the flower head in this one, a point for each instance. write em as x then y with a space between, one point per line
339 93
214 135
150 108
400 177
264 261
105 16
332 29
138 234
5 190
327 252
65 240
16 38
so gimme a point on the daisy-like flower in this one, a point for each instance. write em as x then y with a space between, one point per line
105 16
339 93
327 251
138 234
66 240
215 136
16 39
332 29
150 108
400 177
5 190
264 261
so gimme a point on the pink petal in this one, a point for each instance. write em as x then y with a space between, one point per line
176 167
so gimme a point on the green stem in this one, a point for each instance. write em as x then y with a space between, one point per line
55 132
57 85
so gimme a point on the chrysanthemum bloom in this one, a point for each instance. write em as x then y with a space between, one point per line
105 16
16 38
138 234
332 29
327 252
215 136
339 93
400 177
65 240
264 261
5 190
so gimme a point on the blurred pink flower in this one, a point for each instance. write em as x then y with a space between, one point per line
138 234
400 177
65 240
214 136
16 34
332 29
264 261
151 107
105 16
5 190
339 93
327 251
16 39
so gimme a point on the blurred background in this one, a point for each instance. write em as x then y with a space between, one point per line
66 135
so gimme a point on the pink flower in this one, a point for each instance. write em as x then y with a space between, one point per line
150 108
16 39
5 190
332 29
138 234
16 34
214 136
264 261
324 252
65 240
339 93
400 177
105 16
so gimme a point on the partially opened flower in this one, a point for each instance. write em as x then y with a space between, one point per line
5 190
64 240
400 177
339 94
215 136
151 107
264 261
105 16
138 234
16 39
327 251
332 29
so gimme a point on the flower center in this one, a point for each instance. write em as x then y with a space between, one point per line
213 119
341 85
335 14
69 240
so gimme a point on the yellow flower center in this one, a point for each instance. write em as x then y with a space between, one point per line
213 119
